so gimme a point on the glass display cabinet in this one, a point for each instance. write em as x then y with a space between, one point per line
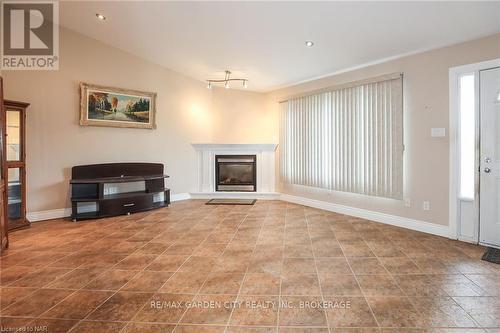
15 155
4 232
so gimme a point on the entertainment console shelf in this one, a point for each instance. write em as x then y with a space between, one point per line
104 190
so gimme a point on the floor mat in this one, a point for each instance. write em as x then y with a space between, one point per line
231 202
492 255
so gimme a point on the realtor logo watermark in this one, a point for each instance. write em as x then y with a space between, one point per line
30 35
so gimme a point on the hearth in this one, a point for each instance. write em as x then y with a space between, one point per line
235 173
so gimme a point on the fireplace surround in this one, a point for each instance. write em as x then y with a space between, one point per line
205 178
235 173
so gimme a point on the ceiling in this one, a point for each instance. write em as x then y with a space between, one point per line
264 41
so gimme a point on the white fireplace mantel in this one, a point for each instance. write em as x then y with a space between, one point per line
205 184
236 146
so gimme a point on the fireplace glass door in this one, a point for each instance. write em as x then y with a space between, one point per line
235 173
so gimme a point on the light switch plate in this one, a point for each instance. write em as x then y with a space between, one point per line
438 132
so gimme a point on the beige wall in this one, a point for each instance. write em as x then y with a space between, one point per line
56 142
243 117
188 112
425 106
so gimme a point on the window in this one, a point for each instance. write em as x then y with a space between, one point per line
467 136
348 138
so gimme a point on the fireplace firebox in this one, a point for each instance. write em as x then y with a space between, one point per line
235 173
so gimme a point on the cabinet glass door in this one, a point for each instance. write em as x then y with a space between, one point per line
15 194
13 135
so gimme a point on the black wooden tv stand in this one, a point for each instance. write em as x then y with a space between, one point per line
103 190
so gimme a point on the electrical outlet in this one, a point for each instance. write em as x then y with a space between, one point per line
407 202
426 205
438 132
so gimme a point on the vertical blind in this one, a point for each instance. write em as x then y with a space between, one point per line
347 138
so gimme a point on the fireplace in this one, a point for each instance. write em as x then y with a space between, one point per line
235 173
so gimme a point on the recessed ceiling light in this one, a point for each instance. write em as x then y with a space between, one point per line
100 17
309 43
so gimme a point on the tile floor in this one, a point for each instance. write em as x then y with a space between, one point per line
270 267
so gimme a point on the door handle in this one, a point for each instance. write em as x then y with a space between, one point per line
129 205
487 170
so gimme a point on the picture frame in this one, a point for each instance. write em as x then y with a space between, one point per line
116 107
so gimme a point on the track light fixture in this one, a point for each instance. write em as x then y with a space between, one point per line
227 79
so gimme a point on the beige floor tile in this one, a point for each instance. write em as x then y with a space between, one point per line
78 305
297 284
184 283
484 310
122 306
349 312
10 295
37 303
364 266
53 325
356 248
414 282
294 311
395 312
169 263
135 262
182 328
147 281
441 312
209 309
222 283
97 326
113 279
339 285
148 328
379 285
164 308
400 265
261 284
256 311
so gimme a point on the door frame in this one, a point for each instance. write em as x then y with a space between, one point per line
455 224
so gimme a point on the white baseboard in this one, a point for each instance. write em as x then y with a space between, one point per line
236 195
179 197
48 214
66 212
399 221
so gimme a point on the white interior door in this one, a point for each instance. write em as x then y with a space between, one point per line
489 106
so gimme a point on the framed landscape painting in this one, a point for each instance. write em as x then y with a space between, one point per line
116 107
